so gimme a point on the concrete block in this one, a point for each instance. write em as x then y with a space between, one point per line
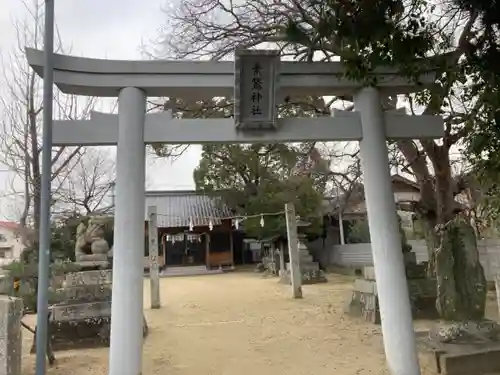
472 363
309 267
369 273
365 286
464 362
410 258
11 312
305 258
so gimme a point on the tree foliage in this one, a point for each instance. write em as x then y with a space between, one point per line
62 243
411 35
484 141
25 275
259 178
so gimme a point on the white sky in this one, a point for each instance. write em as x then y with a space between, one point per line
111 29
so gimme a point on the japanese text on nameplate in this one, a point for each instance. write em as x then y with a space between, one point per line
256 77
256 93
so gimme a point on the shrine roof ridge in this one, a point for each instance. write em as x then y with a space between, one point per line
105 78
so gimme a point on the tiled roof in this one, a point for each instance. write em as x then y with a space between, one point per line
176 208
350 200
10 225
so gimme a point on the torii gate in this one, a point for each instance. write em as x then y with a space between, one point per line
131 129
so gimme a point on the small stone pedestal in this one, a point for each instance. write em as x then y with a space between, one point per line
471 348
83 319
311 274
363 300
11 312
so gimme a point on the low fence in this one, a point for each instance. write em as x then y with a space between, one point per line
360 254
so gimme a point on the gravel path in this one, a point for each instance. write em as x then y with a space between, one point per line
241 323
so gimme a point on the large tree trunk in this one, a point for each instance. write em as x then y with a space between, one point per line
461 283
451 240
428 225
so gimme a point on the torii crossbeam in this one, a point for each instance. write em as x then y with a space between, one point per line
102 129
133 81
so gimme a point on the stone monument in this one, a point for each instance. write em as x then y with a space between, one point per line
309 269
83 320
81 317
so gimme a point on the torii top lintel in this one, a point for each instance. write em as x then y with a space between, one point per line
204 79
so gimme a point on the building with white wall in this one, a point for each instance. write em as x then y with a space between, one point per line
11 245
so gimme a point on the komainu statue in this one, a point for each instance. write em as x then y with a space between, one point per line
91 245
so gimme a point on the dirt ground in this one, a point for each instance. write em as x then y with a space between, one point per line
242 323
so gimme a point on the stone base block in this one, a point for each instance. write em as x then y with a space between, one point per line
88 278
458 358
305 258
308 277
93 264
410 258
90 329
309 267
365 305
85 293
365 286
363 300
416 271
413 270
422 287
369 273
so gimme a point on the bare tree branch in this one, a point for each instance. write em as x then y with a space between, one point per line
87 188
21 105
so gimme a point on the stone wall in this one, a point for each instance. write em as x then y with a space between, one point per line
359 255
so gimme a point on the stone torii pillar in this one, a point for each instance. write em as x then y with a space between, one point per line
132 81
125 354
392 287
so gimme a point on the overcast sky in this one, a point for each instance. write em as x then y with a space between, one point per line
111 29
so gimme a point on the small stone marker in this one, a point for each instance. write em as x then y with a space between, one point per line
11 312
154 272
282 261
293 250
362 301
309 269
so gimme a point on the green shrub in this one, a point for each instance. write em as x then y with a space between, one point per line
26 274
